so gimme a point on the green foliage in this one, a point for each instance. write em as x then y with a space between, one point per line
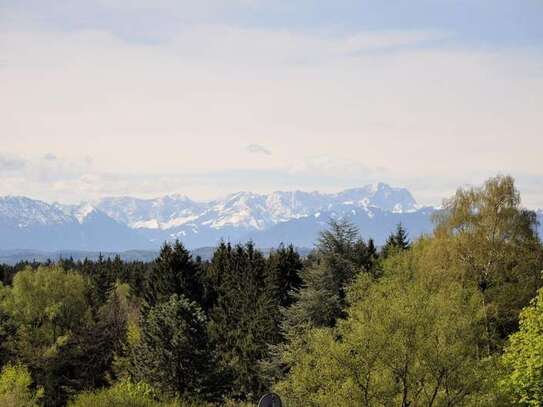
491 240
242 316
86 361
48 306
523 358
16 388
122 394
396 242
174 354
420 323
129 394
7 330
66 345
173 272
321 300
339 257
103 279
283 274
408 340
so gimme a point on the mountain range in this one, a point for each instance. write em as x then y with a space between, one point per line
125 223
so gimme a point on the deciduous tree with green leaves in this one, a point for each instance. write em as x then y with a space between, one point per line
492 240
48 305
410 338
16 388
523 358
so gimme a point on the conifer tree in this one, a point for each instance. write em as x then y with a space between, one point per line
7 332
242 316
396 242
86 361
283 274
3 274
174 354
321 301
173 272
102 279
366 256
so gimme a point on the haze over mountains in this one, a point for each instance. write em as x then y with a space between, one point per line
126 223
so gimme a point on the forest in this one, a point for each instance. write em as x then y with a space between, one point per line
453 318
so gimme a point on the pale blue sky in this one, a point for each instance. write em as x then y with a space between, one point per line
115 97
473 21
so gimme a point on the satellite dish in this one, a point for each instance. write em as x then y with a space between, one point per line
270 400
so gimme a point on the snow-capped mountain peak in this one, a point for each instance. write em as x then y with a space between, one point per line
24 212
380 195
83 211
78 212
268 219
247 210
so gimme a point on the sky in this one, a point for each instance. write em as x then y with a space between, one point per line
204 98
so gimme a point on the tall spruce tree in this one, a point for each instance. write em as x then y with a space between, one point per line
174 354
102 280
396 242
173 272
366 256
284 266
242 315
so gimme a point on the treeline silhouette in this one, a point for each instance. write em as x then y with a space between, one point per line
453 318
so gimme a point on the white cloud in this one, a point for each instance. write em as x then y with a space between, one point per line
339 104
258 149
10 164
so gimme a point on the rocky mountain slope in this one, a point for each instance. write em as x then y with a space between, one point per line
126 223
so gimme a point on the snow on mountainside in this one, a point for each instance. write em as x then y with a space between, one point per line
268 219
160 213
31 224
381 196
79 212
24 212
247 210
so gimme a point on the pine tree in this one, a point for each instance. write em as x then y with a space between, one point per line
173 272
175 354
402 240
396 242
242 316
366 256
284 267
102 280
